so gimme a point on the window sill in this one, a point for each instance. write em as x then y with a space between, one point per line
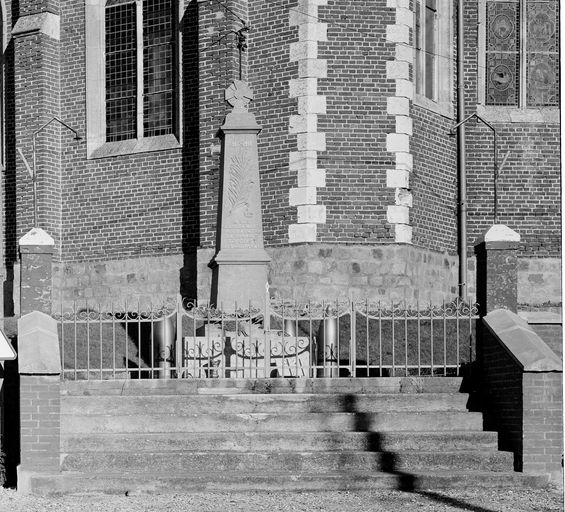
493 114
443 109
130 147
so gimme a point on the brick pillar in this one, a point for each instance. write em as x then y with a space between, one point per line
36 36
36 254
40 370
497 269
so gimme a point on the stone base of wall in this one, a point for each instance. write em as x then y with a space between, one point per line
314 271
390 273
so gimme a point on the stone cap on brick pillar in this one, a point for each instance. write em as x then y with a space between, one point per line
38 345
530 352
37 241
499 236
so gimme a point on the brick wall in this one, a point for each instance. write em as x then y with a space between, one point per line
39 422
526 408
503 395
529 184
356 124
164 203
269 71
543 422
434 181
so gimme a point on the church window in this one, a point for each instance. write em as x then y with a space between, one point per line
133 102
521 53
433 32
140 38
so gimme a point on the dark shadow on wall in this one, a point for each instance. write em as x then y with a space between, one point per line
190 151
10 419
9 192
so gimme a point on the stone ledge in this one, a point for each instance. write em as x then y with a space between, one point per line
45 22
520 341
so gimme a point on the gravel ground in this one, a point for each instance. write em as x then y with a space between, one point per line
480 500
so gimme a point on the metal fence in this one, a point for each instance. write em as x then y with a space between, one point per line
339 338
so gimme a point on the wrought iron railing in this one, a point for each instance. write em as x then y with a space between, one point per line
342 338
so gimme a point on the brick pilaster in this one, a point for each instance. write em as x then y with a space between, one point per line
497 269
36 254
40 401
36 36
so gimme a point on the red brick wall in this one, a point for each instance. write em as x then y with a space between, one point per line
269 71
356 123
503 394
526 408
434 181
543 422
40 422
529 185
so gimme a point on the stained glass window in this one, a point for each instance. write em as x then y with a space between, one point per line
541 53
521 53
140 103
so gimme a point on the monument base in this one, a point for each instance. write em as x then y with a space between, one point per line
240 279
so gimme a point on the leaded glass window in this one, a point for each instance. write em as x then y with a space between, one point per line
426 39
521 53
140 72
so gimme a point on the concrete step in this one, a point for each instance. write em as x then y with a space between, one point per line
279 441
315 462
154 482
182 405
280 385
264 422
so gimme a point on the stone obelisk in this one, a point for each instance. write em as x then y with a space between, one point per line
240 264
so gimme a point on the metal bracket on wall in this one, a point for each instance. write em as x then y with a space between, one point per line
496 168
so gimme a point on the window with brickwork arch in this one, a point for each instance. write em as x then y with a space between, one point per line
133 76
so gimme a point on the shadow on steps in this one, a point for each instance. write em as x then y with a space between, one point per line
406 482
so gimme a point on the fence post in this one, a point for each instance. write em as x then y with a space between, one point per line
36 254
40 371
497 269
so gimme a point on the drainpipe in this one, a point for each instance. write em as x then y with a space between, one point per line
462 171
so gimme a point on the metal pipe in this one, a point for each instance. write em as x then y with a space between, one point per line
463 192
34 181
462 168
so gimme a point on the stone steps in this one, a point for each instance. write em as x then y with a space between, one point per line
274 434
319 462
241 403
224 387
273 422
279 441
230 481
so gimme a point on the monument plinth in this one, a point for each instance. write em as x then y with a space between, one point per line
240 264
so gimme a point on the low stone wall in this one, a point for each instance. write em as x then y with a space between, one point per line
390 273
539 281
394 272
302 272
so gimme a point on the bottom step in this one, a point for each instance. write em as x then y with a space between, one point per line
131 483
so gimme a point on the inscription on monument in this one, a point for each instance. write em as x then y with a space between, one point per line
240 237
